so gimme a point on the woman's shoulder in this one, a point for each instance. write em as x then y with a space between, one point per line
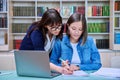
89 38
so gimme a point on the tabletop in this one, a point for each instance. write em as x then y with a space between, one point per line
11 75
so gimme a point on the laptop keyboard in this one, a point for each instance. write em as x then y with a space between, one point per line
55 73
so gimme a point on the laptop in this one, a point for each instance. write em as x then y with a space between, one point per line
33 63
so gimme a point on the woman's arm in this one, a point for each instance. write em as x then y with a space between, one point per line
95 62
37 40
56 53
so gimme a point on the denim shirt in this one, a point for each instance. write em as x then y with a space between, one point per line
88 53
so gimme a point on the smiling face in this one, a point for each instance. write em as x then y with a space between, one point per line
76 28
54 30
75 31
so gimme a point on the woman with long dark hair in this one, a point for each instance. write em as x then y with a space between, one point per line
42 34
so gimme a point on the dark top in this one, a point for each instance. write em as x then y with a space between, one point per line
34 42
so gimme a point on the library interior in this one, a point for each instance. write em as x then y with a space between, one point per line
103 25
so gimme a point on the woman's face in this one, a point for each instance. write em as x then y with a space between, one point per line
55 30
75 30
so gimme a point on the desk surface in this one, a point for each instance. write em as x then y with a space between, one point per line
11 75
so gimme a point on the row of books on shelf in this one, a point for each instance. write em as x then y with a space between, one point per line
98 27
24 11
3 22
42 9
20 27
66 10
98 10
3 38
100 43
92 27
117 5
3 5
117 21
117 38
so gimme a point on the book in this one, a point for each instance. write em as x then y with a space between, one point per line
2 40
89 13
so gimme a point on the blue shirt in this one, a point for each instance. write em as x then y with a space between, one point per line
88 53
34 42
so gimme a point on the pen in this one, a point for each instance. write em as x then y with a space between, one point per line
64 62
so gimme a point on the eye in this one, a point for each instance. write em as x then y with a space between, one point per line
80 29
73 28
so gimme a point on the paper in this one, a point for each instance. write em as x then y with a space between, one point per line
110 72
78 73
5 73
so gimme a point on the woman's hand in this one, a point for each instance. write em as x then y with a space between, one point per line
74 67
67 71
66 67
60 69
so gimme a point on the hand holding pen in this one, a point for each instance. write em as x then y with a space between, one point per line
66 67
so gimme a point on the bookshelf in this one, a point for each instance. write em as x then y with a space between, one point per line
4 25
115 24
99 15
97 12
25 12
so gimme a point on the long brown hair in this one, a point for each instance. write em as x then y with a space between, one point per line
75 18
51 17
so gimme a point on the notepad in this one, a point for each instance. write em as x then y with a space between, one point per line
110 72
78 73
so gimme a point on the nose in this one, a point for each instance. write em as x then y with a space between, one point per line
76 31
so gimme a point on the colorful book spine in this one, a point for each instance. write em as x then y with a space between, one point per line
98 27
20 27
102 43
117 38
24 11
89 13
117 6
17 43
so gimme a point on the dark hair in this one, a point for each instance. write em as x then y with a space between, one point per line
51 17
75 18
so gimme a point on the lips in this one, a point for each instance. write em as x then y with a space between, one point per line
76 35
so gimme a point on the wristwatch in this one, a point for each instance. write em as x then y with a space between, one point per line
78 67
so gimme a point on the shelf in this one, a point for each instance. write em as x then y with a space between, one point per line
21 17
73 0
3 12
4 29
116 46
98 0
23 0
117 12
117 28
4 48
98 33
48 0
97 17
19 34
